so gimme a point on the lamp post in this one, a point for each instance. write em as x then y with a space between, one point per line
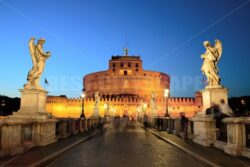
112 111
138 113
144 108
82 96
166 95
105 107
2 105
243 102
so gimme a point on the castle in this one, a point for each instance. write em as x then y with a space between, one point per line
125 89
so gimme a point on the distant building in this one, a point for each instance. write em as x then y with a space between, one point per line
125 89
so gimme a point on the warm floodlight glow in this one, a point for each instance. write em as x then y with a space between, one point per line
105 106
243 102
166 92
83 95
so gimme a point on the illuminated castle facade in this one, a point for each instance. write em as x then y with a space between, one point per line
125 89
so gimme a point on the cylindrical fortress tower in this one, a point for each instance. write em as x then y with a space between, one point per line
126 77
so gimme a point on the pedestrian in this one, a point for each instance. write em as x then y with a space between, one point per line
223 112
184 125
225 109
145 120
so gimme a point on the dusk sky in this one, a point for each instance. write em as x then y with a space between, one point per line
82 35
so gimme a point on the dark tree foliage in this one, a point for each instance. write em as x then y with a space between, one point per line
237 106
11 105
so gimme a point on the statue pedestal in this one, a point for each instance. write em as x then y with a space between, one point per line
204 125
213 95
96 112
33 100
33 103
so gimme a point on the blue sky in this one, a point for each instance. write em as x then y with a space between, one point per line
82 35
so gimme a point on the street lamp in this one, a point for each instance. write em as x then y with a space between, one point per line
166 95
138 113
144 108
105 107
82 96
2 105
112 111
243 102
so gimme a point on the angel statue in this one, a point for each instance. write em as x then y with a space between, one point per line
153 104
153 98
38 59
97 99
210 62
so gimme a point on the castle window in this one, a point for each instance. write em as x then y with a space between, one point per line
136 70
145 74
136 65
129 64
113 64
125 73
113 70
121 64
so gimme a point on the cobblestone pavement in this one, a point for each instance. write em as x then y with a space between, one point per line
125 146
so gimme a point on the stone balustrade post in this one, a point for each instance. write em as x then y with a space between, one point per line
11 139
177 126
237 136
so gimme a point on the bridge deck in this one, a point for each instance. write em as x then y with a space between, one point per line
123 145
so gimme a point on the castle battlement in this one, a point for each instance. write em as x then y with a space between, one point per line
54 99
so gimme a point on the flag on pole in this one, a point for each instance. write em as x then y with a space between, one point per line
46 81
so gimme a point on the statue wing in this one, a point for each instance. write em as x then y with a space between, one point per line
218 46
32 51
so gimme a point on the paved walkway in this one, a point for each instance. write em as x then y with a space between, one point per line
216 156
125 146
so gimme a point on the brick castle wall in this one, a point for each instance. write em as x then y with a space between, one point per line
65 107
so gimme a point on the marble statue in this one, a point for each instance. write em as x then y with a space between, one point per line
153 98
96 106
38 59
97 99
153 104
210 62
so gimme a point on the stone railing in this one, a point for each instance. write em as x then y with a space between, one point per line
233 136
17 136
68 127
238 136
166 124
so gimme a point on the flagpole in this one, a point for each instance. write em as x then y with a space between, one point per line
44 85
